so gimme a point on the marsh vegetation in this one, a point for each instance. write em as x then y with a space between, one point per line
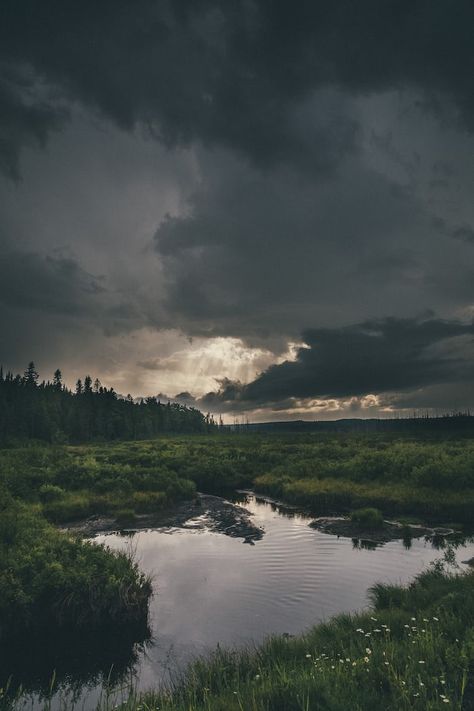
55 580
413 650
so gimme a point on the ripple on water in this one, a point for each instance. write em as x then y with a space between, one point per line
212 589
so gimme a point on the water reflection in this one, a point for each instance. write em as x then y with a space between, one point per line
407 538
362 544
210 589
246 498
75 664
437 540
455 539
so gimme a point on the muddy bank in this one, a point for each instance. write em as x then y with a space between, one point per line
205 512
391 531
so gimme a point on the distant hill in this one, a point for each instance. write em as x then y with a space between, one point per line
455 423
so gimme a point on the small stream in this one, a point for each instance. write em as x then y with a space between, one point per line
212 588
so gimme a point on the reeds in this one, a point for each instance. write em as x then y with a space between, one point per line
413 651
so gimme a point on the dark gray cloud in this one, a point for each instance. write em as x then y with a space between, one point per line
373 357
234 73
257 255
47 283
464 233
57 285
25 118
248 174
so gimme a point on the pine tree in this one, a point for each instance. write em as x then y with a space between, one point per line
53 413
30 377
57 380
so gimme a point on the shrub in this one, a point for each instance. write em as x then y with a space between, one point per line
50 492
368 519
148 501
125 517
51 580
70 507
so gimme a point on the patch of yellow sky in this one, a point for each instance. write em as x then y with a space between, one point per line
168 363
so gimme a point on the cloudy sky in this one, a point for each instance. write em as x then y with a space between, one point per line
264 208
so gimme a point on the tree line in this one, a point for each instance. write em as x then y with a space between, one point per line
48 410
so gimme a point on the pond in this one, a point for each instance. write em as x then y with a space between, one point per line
212 588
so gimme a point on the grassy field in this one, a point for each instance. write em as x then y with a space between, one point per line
52 580
432 479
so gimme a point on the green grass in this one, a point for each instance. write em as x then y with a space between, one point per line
430 479
367 519
413 650
49 578
71 483
51 581
325 496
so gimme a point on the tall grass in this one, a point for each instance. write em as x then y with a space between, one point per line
323 496
51 582
434 479
413 651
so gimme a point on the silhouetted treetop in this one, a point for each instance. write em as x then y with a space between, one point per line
52 412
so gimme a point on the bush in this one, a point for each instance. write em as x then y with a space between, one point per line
367 519
50 492
71 507
50 580
149 501
125 517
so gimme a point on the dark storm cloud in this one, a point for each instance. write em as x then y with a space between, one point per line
25 117
47 283
464 233
400 264
232 73
372 357
270 254
322 180
56 285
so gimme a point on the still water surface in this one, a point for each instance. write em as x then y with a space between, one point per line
213 589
